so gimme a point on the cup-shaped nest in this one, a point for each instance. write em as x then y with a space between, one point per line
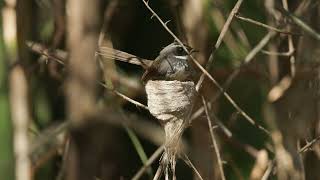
171 103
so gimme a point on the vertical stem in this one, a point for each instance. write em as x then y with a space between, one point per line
290 43
214 142
20 117
6 155
85 141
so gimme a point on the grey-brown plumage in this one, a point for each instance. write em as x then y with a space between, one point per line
173 63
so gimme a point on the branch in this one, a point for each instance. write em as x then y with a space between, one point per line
61 56
152 158
224 30
264 25
305 27
213 139
248 59
189 163
204 71
309 145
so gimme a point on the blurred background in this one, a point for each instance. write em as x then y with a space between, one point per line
62 115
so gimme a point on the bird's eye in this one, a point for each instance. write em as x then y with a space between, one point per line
180 50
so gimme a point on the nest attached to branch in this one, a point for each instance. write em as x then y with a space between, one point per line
171 103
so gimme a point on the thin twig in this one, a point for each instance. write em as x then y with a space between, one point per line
259 46
63 167
231 77
226 26
57 55
263 25
305 27
205 72
223 32
158 173
189 163
224 129
108 13
47 143
290 43
214 142
289 53
152 158
38 49
124 96
269 170
309 145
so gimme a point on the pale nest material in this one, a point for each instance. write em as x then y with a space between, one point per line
171 103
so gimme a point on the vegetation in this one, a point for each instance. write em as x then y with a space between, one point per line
72 105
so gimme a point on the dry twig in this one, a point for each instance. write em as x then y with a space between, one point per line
231 77
60 56
224 30
213 139
204 71
305 27
309 145
152 158
290 43
263 25
189 163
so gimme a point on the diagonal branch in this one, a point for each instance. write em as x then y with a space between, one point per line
223 32
309 145
231 77
238 16
152 158
305 27
189 163
60 57
204 71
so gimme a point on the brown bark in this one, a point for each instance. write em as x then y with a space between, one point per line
86 145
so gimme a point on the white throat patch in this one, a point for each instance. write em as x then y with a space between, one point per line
181 57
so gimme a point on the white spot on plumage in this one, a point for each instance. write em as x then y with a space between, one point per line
181 57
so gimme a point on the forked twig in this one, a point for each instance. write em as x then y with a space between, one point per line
231 77
204 71
309 145
305 27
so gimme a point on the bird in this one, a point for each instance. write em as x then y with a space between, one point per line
172 63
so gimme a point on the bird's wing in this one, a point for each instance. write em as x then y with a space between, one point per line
157 70
114 54
106 52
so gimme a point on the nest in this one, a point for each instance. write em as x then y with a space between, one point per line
171 103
